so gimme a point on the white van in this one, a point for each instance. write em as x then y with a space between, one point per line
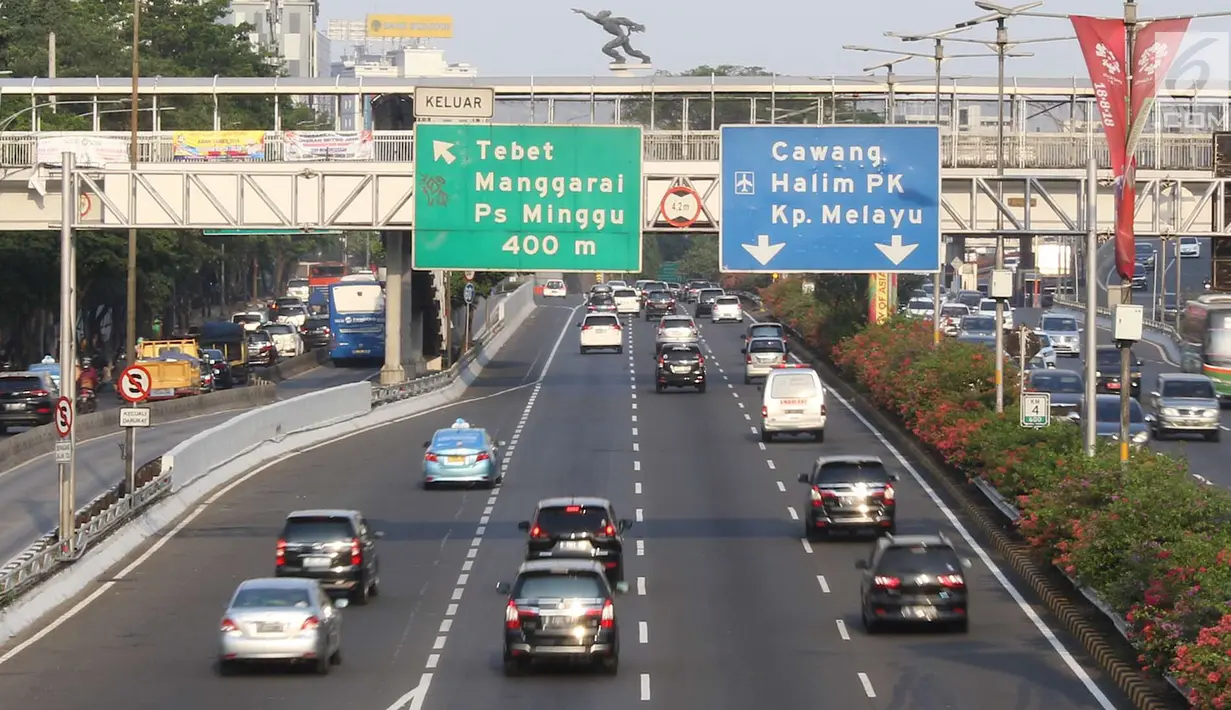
792 402
599 331
626 301
554 288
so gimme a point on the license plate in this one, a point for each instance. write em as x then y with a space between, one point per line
794 411
360 351
455 459
317 562
14 407
162 393
574 546
849 500
919 612
268 628
1113 385
559 622
681 369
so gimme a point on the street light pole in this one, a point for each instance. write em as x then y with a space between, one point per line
130 345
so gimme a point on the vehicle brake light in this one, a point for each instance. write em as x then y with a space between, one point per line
356 552
952 581
764 411
662 361
607 620
887 582
280 553
586 327
40 393
819 496
609 530
700 359
748 359
512 620
888 494
429 456
482 457
310 624
229 627
537 532
617 326
573 509
824 411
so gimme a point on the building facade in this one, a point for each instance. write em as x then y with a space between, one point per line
286 29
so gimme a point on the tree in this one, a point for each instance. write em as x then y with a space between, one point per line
701 259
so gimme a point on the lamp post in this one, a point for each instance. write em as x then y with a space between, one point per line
130 335
938 57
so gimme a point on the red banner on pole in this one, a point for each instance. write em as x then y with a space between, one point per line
1104 44
1154 51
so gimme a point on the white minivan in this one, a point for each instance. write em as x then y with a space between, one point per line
601 331
792 402
626 301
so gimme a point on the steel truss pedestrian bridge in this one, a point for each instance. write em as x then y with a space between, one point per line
1051 132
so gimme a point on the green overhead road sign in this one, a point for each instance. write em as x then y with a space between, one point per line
527 198
270 232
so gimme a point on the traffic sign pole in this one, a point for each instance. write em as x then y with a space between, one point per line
134 384
524 198
830 199
65 408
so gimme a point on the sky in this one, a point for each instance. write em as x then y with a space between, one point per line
789 37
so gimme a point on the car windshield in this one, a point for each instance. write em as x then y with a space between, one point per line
659 296
970 298
767 345
625 293
602 297
284 302
795 385
870 472
293 310
676 323
1145 249
20 384
1110 358
555 283
710 294
1188 389
246 318
317 529
1109 410
316 323
765 331
571 519
1057 382
1058 324
297 283
449 439
546 585
213 354
271 597
681 354
279 329
919 559
727 301
954 311
592 321
987 304
259 337
919 306
979 324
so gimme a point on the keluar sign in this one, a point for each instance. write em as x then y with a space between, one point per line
218 145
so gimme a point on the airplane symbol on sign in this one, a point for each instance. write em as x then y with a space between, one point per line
745 183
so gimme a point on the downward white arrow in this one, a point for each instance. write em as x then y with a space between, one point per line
440 150
896 251
763 251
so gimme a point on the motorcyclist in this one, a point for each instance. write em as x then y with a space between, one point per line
87 375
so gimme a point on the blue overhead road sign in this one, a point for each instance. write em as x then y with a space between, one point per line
838 199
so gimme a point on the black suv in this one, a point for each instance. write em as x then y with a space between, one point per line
561 610
851 492
659 304
680 366
705 300
335 547
914 579
315 332
25 399
1107 364
578 528
601 302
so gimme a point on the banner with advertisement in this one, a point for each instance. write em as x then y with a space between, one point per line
1154 51
880 298
89 150
301 146
218 146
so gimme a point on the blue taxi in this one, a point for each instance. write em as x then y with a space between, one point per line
461 454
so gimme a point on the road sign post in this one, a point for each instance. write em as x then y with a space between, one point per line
494 197
134 386
830 199
1036 410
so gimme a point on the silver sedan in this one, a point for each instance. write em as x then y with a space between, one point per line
281 620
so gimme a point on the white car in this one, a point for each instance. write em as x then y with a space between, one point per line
250 320
1190 247
294 315
987 307
554 288
617 283
919 308
793 402
286 339
727 308
626 301
600 331
951 315
298 288
1046 356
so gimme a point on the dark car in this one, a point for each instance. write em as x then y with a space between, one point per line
1140 280
1107 368
261 350
335 547
25 399
1145 254
692 288
601 302
914 579
577 528
659 304
561 610
849 493
706 298
680 366
219 368
1066 388
315 332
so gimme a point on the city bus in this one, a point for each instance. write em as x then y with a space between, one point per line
1205 340
357 322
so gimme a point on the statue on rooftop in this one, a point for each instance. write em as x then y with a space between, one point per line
622 28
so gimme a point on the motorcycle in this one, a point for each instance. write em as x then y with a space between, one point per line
87 401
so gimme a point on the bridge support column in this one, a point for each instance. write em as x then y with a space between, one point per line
397 279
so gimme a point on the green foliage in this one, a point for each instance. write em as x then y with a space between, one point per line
701 259
484 282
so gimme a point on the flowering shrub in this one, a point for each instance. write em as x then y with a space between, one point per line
1151 542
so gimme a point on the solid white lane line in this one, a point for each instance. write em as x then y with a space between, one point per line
794 515
643 632
867 685
845 635
645 686
641 586
820 579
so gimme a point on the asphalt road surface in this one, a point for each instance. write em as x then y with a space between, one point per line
729 608
29 492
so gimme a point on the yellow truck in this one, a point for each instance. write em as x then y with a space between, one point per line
174 365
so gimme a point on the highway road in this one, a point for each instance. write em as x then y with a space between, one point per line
29 492
728 607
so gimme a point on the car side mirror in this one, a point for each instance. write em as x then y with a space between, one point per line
341 603
1138 363
427 444
894 477
743 336
524 526
621 588
805 478
503 588
578 325
1149 418
624 524
966 563
861 564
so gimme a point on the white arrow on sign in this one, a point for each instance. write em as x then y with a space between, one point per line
763 251
440 151
896 251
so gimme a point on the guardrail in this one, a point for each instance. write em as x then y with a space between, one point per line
1157 326
247 432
